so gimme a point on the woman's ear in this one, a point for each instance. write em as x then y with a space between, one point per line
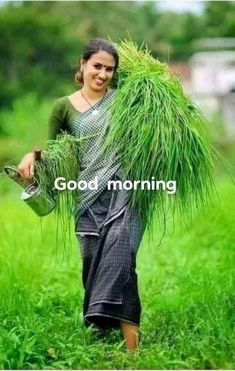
82 62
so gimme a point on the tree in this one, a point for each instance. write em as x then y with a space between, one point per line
219 19
37 52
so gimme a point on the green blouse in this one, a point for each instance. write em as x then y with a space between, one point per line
62 117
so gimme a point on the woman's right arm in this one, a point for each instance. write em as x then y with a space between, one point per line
55 125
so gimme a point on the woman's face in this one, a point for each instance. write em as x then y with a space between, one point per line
98 71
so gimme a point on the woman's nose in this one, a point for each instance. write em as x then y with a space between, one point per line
102 73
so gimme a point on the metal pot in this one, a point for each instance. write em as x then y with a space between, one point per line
41 203
35 197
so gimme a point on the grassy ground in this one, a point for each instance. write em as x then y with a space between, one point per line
186 286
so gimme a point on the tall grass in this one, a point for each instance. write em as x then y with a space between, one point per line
160 133
60 159
186 287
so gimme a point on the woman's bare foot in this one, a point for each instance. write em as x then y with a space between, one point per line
130 334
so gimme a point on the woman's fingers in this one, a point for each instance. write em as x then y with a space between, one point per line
24 171
26 166
31 169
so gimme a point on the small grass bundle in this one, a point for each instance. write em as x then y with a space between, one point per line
60 159
160 133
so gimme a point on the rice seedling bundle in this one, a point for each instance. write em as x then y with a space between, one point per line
60 159
160 133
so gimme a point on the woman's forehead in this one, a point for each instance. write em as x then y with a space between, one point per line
103 57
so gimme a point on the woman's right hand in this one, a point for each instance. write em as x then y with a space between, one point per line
26 166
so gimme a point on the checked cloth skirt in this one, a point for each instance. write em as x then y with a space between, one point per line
108 248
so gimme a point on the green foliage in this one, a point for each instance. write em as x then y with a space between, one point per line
176 32
60 159
219 19
160 134
27 115
41 41
23 126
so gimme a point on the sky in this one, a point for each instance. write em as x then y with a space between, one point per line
181 6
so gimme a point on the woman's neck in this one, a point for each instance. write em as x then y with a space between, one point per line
93 95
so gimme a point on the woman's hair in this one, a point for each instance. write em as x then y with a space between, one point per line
93 47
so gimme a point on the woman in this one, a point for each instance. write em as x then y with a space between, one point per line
109 231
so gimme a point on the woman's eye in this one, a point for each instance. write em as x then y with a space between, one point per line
97 66
110 69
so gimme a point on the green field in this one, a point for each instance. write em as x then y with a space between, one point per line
186 286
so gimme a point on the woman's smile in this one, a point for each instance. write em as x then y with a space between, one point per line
99 81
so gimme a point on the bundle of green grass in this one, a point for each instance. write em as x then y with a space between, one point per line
60 159
160 133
